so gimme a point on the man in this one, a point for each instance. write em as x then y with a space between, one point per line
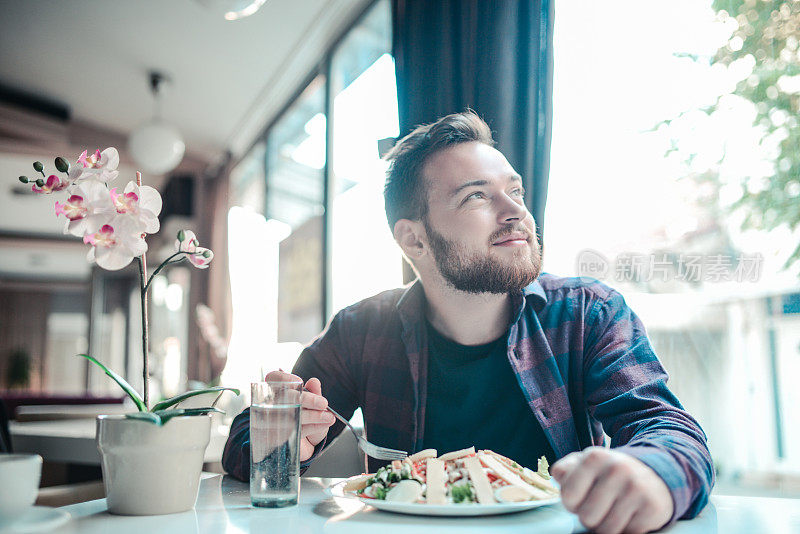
482 350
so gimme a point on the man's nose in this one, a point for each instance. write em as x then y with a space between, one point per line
511 210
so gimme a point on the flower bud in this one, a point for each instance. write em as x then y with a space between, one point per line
61 164
23 179
206 253
181 235
37 166
40 182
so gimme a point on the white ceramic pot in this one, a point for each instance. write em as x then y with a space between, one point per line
150 469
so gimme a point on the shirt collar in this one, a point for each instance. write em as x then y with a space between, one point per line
535 292
411 305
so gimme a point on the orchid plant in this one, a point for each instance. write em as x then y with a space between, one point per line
115 223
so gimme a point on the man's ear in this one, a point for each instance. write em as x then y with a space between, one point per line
411 237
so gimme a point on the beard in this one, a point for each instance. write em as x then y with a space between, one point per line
477 273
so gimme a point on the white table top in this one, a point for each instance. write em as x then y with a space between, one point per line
223 505
73 440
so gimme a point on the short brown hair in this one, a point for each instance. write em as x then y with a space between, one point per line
405 193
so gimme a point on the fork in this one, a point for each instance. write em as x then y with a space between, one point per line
370 449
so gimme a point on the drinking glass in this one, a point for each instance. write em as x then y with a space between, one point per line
275 443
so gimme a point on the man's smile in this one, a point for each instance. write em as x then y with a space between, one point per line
514 239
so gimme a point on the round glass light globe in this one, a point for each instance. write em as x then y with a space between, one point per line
156 147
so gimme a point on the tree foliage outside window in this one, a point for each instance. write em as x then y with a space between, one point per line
764 44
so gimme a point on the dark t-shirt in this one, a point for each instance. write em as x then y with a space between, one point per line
474 399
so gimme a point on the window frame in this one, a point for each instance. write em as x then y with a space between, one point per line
323 68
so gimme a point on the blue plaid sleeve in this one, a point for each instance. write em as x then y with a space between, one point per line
626 390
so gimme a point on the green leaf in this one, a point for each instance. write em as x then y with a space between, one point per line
166 415
162 416
122 383
183 396
149 417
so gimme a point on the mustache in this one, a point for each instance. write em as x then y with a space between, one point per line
510 229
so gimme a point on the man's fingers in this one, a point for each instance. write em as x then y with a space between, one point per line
282 376
316 417
314 433
642 520
314 386
577 483
306 449
562 468
311 401
607 487
618 518
314 420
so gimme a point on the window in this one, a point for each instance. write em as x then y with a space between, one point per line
365 260
653 144
295 198
306 214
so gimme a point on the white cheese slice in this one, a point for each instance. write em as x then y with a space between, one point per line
529 476
435 481
534 478
357 483
504 473
457 454
511 494
422 455
483 490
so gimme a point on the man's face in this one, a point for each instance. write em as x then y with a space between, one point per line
481 235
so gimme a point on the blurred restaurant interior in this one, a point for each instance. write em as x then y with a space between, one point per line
663 162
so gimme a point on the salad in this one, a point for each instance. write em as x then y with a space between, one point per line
459 477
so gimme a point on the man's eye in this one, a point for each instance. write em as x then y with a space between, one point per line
476 194
519 192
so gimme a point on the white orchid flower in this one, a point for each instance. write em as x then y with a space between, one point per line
53 184
100 166
143 203
115 244
87 209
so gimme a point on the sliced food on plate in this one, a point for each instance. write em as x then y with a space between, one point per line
458 477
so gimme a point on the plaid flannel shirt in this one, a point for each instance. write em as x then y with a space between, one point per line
581 356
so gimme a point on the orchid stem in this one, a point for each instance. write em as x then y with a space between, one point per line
158 270
145 333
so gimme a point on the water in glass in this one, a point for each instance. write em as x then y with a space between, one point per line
274 451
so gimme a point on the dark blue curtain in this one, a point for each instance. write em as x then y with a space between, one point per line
494 56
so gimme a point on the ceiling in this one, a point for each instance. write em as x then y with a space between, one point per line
228 80
228 77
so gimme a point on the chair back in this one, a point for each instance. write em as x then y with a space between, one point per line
5 435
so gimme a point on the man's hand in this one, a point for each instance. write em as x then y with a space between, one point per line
314 417
612 492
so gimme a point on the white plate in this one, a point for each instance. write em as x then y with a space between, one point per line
453 510
37 519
